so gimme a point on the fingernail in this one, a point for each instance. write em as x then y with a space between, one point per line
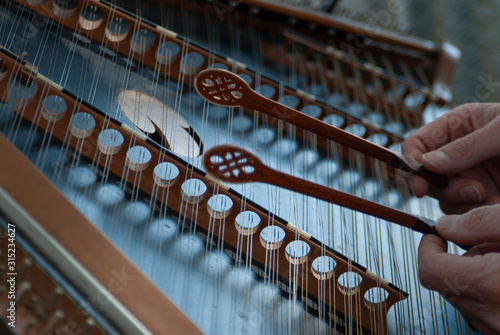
445 223
438 159
471 194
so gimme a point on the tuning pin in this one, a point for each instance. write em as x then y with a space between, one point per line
4 286
87 327
32 301
29 324
22 292
45 309
23 268
52 322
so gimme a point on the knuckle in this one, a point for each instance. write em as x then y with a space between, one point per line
426 277
407 145
469 110
462 147
472 107
413 146
476 218
429 277
490 113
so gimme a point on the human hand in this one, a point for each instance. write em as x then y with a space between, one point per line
468 139
470 282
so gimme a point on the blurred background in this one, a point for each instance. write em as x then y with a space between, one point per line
472 26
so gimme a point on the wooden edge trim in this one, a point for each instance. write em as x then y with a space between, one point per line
347 24
449 57
82 253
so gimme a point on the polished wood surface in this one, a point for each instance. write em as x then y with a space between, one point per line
237 165
224 88
73 232
196 213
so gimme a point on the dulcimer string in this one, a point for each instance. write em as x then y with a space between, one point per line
360 245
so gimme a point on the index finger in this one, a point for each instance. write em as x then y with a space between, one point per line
450 275
455 124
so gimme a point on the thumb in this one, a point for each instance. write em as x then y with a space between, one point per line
478 226
465 152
